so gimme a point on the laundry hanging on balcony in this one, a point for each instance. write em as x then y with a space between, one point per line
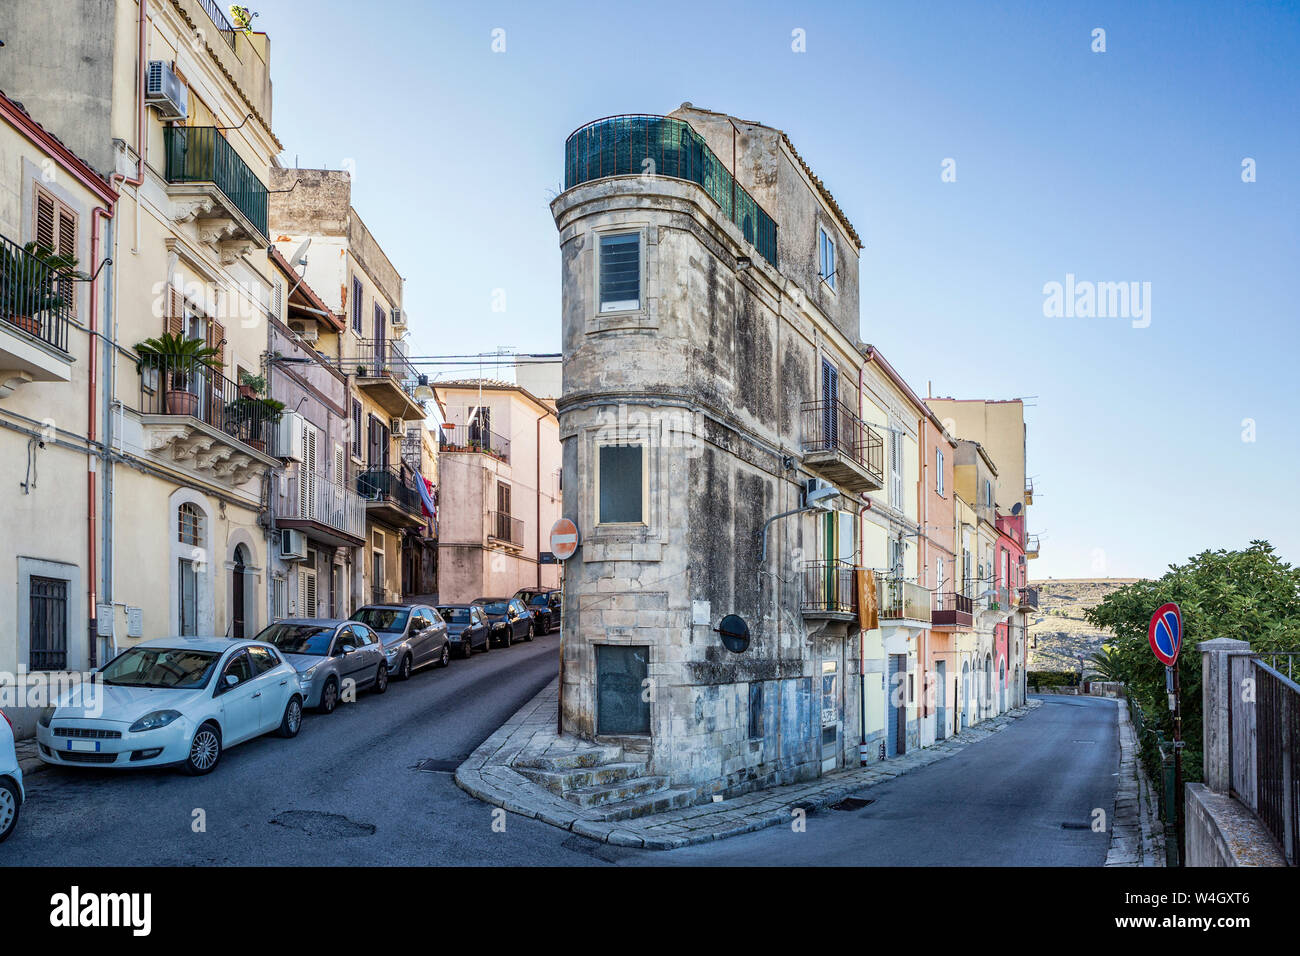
425 487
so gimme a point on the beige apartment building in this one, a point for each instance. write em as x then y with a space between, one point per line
499 470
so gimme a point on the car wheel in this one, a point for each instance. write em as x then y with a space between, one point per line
466 648
446 655
329 697
529 635
487 642
404 672
291 723
381 679
205 751
9 807
508 638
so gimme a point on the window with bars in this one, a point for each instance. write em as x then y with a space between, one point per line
356 305
620 272
55 228
190 523
48 628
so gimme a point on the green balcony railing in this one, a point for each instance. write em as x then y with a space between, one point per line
640 144
200 154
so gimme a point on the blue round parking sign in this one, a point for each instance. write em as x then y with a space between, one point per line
1166 633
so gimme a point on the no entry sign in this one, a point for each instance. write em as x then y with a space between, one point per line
564 539
1166 633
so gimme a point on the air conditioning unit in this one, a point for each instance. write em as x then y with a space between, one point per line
397 426
293 545
819 494
397 318
164 91
310 336
288 437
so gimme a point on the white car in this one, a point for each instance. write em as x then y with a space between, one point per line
179 700
11 780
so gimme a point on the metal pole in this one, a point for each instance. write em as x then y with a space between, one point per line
1178 764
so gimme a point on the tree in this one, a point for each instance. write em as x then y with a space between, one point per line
1251 595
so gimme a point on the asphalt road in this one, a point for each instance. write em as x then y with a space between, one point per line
347 791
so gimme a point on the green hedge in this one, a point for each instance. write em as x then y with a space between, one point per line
1052 678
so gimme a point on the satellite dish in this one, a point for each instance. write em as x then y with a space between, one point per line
735 633
1015 509
299 257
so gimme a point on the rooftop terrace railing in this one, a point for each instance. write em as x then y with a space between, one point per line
641 144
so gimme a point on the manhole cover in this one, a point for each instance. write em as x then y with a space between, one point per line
852 803
433 765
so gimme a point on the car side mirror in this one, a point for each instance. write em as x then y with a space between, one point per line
231 680
348 648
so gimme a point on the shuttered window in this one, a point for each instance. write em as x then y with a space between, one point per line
620 272
55 228
356 428
830 399
356 305
827 257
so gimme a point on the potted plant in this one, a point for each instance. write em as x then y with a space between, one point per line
252 410
251 385
179 358
29 283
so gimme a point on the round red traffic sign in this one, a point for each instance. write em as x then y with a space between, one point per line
564 539
1165 633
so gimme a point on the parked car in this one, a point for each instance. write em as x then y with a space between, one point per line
508 618
11 780
413 635
467 627
545 605
176 700
327 653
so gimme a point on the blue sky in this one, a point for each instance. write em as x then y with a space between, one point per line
1118 166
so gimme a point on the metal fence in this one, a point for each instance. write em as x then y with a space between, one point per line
224 26
314 497
387 485
34 297
903 600
1277 783
833 426
829 587
645 145
475 439
187 387
951 609
200 154
505 527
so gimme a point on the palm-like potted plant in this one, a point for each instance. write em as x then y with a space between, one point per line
178 358
29 283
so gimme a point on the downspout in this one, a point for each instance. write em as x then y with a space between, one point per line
862 635
538 497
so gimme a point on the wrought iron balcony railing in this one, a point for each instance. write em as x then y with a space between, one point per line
313 497
200 154
386 486
34 297
474 439
505 527
224 26
833 427
1031 546
640 144
901 600
951 609
829 587
186 387
1029 597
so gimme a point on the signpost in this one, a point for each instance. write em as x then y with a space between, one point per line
1165 634
564 543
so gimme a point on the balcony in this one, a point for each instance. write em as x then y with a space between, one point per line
389 498
199 417
632 144
1029 491
506 529
223 25
35 308
323 510
829 591
841 447
950 611
1031 546
475 441
208 182
1028 598
903 601
385 374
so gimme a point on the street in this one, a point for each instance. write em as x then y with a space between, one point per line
347 790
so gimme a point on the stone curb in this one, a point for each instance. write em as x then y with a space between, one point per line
1136 835
486 775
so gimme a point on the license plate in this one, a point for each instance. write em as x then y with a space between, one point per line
84 746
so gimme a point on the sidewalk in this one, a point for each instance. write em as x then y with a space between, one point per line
28 762
1137 837
488 775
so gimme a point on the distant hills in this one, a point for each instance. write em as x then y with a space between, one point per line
1058 633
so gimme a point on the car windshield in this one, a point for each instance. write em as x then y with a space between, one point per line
160 667
499 608
390 620
539 599
313 639
454 615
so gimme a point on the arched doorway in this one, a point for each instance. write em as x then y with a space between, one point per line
238 613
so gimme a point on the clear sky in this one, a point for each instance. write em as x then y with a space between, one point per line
1122 166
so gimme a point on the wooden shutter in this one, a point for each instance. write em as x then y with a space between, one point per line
174 319
356 428
340 465
46 220
217 339
307 477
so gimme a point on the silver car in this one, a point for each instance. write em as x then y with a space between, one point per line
413 635
330 657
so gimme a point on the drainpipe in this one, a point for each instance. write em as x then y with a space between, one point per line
862 635
537 485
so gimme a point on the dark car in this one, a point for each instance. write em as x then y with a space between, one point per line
467 627
413 635
509 619
545 605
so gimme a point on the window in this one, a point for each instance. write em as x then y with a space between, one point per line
621 704
621 483
830 401
240 668
306 592
938 468
187 582
278 597
48 630
939 576
896 469
56 230
381 333
356 428
755 710
827 257
190 521
988 492
356 305
264 659
620 272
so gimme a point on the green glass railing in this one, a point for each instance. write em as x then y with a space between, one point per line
200 154
640 144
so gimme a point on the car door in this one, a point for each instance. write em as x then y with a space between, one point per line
521 618
275 686
478 625
350 663
420 629
437 632
240 700
370 653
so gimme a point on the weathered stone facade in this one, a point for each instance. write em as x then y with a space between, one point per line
707 376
